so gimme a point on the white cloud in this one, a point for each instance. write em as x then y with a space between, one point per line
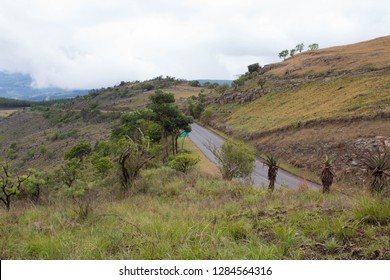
91 43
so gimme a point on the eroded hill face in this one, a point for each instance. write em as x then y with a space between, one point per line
293 108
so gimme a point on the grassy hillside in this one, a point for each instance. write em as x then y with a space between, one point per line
168 215
315 100
331 101
38 139
133 95
369 55
122 198
164 219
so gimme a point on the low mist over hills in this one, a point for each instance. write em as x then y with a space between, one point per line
18 86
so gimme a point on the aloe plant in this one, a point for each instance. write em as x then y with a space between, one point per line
378 164
327 175
273 167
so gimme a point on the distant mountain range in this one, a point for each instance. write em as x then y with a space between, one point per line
202 82
18 86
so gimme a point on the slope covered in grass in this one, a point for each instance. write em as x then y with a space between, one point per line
368 55
333 101
38 139
343 97
132 96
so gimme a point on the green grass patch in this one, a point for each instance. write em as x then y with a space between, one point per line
372 210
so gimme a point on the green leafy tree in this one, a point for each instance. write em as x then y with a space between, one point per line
195 108
10 184
153 131
34 185
207 116
236 160
292 52
253 67
313 46
103 148
70 172
130 123
198 109
103 165
283 54
82 195
79 151
172 121
133 156
194 83
165 110
300 47
80 191
239 82
190 105
180 125
184 162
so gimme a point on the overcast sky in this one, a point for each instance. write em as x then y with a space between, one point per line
98 43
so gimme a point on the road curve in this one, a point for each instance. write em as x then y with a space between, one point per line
204 138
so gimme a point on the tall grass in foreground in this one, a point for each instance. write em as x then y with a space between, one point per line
164 219
372 210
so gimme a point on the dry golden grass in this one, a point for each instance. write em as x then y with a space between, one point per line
373 54
364 95
183 91
6 113
141 100
341 132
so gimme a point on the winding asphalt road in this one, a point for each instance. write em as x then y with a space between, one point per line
204 138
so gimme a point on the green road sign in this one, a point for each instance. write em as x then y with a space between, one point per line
184 134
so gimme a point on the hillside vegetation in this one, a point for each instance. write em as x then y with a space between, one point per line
281 108
112 176
131 96
38 138
315 100
369 55
213 220
168 215
13 103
